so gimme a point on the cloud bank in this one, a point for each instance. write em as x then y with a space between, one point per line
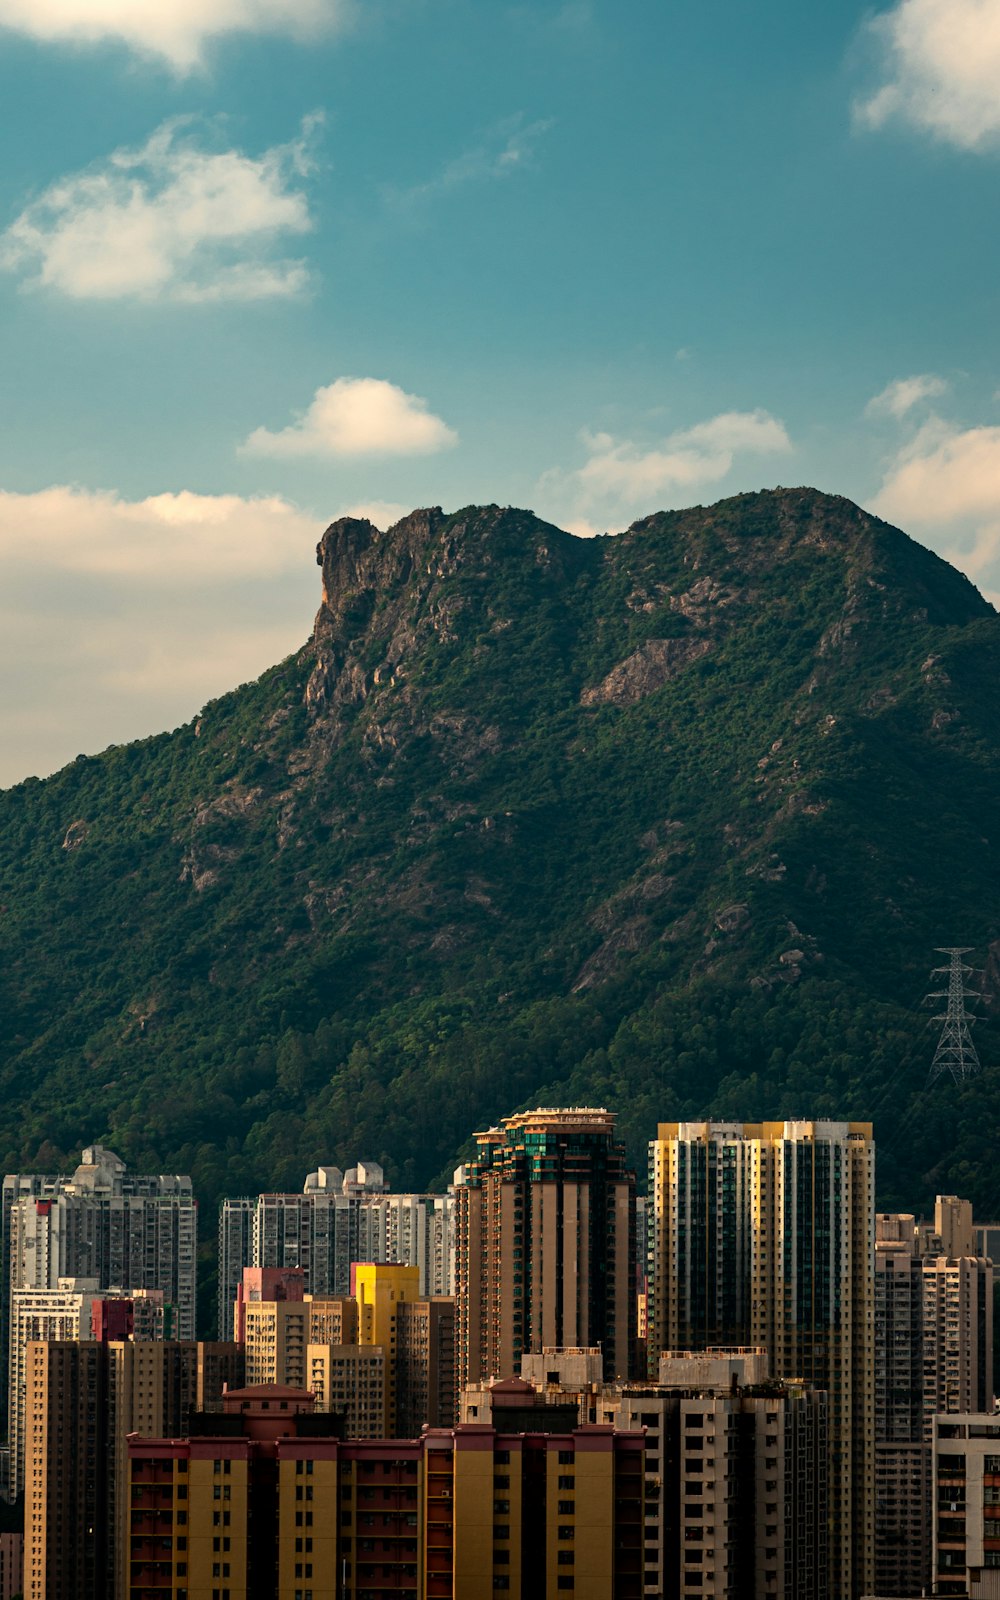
944 487
357 417
621 477
941 68
120 618
699 455
175 30
170 221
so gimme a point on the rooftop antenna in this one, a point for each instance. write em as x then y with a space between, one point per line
956 1052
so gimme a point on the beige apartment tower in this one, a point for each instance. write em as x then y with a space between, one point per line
763 1234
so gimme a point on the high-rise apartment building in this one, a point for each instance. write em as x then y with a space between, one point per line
11 1565
545 1253
272 1325
83 1400
126 1230
735 1463
763 1234
338 1218
933 1355
65 1489
349 1381
902 1457
398 1344
59 1315
268 1500
414 1230
966 1522
957 1346
235 1253
933 1320
424 1366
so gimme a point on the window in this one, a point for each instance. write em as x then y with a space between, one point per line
567 1481
566 1458
566 1508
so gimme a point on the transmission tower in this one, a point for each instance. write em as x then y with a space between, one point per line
956 1052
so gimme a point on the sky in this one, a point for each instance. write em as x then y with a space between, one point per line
266 262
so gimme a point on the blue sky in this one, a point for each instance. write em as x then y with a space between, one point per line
266 261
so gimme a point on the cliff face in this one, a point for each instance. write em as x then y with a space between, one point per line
672 820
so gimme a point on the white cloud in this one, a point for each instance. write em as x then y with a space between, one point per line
119 618
170 221
357 417
942 68
623 471
175 30
900 396
944 487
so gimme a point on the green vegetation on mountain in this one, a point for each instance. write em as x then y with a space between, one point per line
670 821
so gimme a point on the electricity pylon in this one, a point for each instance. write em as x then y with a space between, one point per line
956 1052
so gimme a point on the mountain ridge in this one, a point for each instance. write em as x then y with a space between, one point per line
672 819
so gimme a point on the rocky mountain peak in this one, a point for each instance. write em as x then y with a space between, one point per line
531 815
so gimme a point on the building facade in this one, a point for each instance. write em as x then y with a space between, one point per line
399 1346
62 1314
763 1235
339 1218
966 1476
545 1253
933 1355
272 1501
735 1467
125 1231
83 1399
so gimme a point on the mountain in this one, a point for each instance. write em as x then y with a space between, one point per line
671 821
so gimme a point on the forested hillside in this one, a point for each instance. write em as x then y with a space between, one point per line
670 821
